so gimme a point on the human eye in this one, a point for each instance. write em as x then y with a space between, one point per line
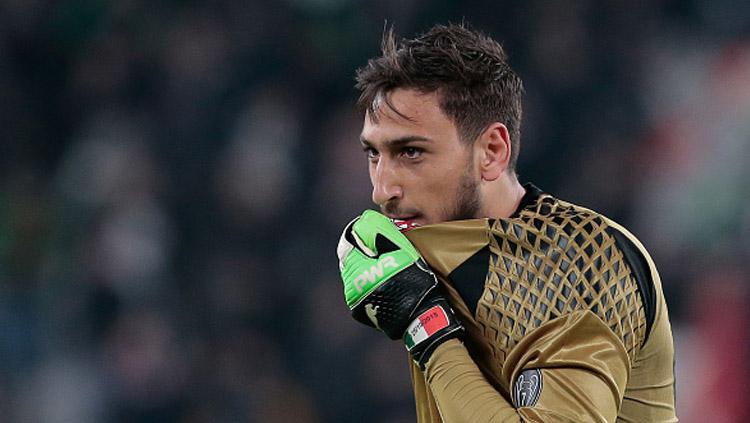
372 154
412 153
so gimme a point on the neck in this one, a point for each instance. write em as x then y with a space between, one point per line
502 196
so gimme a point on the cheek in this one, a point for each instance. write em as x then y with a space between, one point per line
440 187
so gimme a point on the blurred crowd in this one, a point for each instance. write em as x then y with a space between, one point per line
174 176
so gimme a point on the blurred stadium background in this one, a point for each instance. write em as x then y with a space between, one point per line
174 176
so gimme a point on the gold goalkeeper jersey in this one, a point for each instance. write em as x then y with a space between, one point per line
565 320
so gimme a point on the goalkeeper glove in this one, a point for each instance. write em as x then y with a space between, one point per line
388 286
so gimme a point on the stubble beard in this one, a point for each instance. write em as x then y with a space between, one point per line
468 201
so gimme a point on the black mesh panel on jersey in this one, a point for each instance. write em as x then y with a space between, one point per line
552 260
469 277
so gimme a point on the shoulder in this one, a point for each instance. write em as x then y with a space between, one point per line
593 245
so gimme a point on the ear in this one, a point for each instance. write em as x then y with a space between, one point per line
493 150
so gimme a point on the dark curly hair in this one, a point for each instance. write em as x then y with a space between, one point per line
468 70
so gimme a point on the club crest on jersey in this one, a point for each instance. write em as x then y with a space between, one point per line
528 388
376 271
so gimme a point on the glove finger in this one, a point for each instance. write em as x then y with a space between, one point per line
376 232
350 240
361 245
345 246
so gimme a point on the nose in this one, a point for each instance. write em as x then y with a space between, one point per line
385 183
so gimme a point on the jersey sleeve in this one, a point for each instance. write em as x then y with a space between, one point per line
571 369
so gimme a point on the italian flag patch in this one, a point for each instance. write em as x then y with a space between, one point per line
424 326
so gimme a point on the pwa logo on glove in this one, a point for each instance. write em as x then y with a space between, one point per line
377 271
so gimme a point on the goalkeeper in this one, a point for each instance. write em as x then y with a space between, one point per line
514 305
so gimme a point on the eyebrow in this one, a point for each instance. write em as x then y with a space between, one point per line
397 142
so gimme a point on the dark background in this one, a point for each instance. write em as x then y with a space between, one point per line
174 177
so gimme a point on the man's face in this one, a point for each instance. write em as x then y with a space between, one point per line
421 171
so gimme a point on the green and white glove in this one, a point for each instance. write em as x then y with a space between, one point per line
388 286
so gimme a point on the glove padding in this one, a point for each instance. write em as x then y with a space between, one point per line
388 286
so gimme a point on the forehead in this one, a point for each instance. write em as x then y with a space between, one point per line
410 113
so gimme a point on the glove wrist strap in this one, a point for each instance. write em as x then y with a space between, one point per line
427 323
433 325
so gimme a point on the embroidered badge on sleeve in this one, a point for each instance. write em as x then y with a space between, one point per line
528 388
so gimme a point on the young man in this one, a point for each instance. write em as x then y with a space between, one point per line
531 308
